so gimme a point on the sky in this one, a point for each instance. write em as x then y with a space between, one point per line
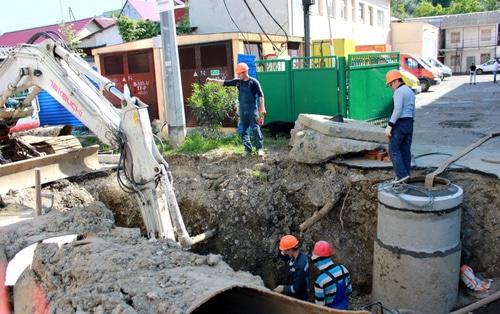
22 14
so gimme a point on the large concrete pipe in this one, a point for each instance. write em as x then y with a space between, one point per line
416 261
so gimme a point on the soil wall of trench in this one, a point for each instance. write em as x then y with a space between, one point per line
253 202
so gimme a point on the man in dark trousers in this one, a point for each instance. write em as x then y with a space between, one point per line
472 73
400 126
297 281
251 107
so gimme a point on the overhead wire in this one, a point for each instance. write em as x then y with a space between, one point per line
237 27
275 21
261 28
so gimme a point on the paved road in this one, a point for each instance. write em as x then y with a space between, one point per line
454 115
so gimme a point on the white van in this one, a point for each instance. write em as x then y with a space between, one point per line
447 72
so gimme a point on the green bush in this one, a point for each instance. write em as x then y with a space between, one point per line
211 104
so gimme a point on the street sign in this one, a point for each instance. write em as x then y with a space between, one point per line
214 72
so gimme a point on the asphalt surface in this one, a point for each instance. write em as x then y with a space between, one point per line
454 115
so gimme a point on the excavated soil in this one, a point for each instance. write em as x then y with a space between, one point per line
252 202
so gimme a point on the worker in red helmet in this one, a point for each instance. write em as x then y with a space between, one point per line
251 107
332 286
297 281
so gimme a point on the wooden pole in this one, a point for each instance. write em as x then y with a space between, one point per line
38 192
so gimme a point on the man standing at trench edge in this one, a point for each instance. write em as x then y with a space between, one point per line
400 127
251 107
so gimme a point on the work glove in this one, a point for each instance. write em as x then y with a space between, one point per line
279 289
388 131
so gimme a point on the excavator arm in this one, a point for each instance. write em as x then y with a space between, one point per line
66 76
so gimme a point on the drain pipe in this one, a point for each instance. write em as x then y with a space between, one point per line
474 306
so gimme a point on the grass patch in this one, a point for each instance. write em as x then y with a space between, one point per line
198 144
93 140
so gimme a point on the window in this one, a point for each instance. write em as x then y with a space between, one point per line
484 57
353 10
361 12
317 9
455 37
138 62
380 18
187 58
213 55
254 49
370 15
342 10
455 60
486 34
331 8
113 64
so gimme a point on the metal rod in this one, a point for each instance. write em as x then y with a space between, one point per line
38 192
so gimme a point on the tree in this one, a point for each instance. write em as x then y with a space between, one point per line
211 104
134 30
426 8
464 6
70 37
398 9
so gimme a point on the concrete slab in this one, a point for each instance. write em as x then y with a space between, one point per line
312 147
350 129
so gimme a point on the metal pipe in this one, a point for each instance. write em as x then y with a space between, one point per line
307 31
474 306
38 192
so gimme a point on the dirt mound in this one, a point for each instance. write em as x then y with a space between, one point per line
122 272
91 218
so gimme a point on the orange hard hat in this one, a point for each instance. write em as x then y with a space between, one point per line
322 249
288 242
241 67
391 76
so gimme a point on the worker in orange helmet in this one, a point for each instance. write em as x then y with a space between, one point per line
297 281
251 107
332 285
400 127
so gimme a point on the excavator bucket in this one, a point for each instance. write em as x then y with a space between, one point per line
65 157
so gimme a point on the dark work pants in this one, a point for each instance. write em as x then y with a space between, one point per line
400 147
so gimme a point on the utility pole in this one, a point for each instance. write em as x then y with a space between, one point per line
307 31
174 113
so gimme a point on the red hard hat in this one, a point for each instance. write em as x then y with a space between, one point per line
288 242
322 249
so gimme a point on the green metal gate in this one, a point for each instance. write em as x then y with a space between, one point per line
315 85
368 98
275 79
300 85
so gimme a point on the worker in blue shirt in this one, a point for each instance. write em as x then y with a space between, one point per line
400 127
297 281
332 286
251 107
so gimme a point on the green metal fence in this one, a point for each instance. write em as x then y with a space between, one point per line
368 97
328 85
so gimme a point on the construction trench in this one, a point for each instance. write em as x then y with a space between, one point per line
251 203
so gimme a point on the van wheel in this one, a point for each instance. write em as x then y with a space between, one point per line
425 84
479 71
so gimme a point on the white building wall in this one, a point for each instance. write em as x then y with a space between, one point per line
476 44
210 16
108 37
